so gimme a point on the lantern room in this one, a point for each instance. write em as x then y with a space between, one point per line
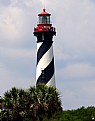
44 24
44 17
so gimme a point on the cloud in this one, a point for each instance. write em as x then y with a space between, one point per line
89 89
18 74
5 78
17 62
76 23
45 2
3 72
78 94
16 23
11 25
78 71
17 53
16 44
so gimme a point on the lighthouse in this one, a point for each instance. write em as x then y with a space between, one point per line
44 32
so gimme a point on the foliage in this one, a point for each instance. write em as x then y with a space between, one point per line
35 103
81 114
40 103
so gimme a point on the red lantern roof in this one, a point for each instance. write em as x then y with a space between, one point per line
44 13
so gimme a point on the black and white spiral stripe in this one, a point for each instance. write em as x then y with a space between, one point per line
45 62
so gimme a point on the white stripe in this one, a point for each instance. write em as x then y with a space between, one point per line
38 45
44 61
51 82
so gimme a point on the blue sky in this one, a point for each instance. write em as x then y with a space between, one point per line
74 47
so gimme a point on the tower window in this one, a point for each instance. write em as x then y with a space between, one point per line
43 75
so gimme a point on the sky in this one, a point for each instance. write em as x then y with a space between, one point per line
74 47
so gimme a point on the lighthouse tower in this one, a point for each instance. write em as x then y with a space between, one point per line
45 58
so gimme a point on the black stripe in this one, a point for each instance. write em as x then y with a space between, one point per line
43 49
49 71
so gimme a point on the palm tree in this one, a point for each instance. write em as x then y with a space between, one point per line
36 103
7 97
12 108
46 101
7 106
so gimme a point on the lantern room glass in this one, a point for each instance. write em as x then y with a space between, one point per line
45 19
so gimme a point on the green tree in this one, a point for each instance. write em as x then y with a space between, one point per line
35 103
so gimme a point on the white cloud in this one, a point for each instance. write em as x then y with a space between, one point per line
16 23
45 2
5 78
8 79
76 28
89 89
16 76
79 94
11 25
17 53
4 74
77 72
